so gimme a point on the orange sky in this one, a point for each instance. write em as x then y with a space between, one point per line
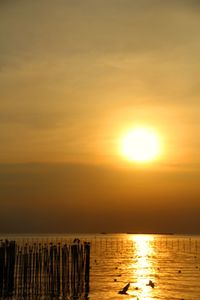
75 76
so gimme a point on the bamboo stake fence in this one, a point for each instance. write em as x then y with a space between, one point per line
161 244
44 271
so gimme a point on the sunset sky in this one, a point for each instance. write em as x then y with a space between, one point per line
76 77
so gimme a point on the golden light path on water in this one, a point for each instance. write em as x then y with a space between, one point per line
143 268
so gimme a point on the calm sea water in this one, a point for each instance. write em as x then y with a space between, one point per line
171 262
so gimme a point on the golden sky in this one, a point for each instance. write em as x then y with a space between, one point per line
75 76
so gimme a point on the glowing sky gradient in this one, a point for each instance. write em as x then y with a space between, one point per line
75 76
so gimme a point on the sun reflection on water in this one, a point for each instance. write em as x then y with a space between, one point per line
142 266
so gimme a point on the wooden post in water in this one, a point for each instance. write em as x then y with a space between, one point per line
87 267
7 268
2 258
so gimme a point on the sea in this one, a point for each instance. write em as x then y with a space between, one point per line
154 266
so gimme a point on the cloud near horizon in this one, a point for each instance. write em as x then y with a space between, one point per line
70 197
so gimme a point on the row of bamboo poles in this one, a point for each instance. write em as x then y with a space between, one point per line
42 271
187 245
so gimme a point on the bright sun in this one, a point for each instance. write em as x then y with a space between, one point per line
140 145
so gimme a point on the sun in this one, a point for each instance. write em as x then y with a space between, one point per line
140 145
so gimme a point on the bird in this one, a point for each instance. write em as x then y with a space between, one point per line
151 283
124 290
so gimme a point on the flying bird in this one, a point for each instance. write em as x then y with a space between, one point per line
125 289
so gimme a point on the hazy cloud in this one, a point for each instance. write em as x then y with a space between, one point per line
91 198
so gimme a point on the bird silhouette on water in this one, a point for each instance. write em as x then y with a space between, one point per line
124 290
151 284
